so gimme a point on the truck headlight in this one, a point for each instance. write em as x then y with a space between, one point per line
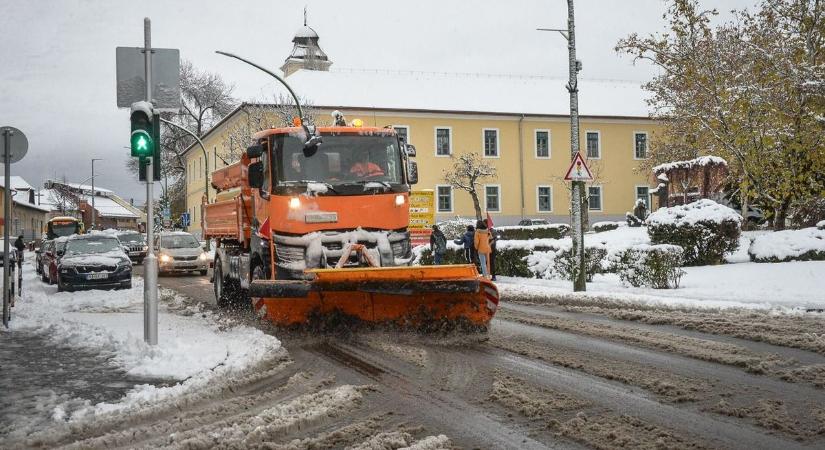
294 203
399 200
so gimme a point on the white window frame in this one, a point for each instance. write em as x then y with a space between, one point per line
498 143
500 208
538 203
648 200
599 134
601 197
452 199
647 145
407 127
536 142
435 140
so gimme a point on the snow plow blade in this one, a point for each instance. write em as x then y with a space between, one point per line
415 297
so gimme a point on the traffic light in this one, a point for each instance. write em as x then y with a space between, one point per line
145 139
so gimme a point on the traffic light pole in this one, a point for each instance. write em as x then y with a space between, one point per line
150 263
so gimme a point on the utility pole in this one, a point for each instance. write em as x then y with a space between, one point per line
93 190
577 225
150 263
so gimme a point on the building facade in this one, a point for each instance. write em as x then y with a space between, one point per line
27 218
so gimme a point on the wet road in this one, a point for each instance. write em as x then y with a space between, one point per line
545 376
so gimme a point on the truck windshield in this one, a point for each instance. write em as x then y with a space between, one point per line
339 160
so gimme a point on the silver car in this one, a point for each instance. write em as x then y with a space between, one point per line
179 251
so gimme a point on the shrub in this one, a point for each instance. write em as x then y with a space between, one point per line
807 244
704 229
558 263
820 225
510 262
600 227
455 228
519 233
656 266
808 214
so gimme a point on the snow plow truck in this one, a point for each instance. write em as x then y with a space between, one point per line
309 228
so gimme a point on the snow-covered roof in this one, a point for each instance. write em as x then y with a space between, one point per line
17 183
691 163
107 207
88 187
306 32
32 205
451 92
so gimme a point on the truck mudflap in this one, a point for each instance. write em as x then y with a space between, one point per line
406 296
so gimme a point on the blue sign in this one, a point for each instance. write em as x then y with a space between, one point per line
184 219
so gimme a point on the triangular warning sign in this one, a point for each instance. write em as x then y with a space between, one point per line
578 170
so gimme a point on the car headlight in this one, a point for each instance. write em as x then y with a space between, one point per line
203 257
145 248
165 258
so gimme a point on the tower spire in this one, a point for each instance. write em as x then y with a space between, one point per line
305 15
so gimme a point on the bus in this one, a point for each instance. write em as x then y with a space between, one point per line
63 226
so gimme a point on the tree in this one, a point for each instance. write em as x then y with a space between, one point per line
750 90
467 173
65 199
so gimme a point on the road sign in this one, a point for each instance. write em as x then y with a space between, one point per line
17 142
578 170
131 83
184 219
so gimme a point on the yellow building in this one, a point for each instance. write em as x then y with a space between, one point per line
520 124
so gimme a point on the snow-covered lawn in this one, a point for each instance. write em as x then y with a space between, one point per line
195 346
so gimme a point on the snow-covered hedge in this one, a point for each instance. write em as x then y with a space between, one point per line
657 266
509 261
705 230
807 244
558 262
455 228
820 225
550 231
600 227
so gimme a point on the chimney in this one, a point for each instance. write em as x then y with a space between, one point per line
132 201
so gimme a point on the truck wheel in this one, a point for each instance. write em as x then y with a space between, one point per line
223 294
203 272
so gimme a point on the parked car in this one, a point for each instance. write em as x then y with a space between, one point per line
94 261
136 243
38 257
528 222
179 251
51 259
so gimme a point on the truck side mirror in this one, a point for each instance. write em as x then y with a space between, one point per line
410 150
255 151
255 175
412 172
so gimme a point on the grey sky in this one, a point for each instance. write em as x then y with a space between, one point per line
58 57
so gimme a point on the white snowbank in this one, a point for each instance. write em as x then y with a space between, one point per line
702 210
195 346
787 244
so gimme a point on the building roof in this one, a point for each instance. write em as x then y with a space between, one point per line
26 204
107 207
305 32
17 183
467 93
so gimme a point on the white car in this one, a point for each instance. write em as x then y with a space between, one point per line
179 251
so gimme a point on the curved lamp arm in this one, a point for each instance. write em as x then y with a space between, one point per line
205 155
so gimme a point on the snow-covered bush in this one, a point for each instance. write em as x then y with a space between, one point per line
509 261
600 227
807 244
558 263
551 231
705 230
657 266
820 225
455 228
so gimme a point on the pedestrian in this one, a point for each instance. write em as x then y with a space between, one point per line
482 246
467 241
20 246
438 245
493 252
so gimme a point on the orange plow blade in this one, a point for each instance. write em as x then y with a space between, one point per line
418 297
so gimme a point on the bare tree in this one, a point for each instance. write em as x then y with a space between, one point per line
65 199
467 173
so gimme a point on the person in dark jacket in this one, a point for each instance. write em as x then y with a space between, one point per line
438 245
469 245
20 246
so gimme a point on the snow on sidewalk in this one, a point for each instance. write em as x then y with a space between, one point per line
195 346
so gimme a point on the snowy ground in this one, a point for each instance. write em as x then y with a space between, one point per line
738 284
196 348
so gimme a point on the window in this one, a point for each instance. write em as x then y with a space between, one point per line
492 198
642 193
542 143
640 145
593 144
544 198
443 141
594 198
490 136
445 198
403 132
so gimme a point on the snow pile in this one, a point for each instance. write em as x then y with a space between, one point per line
701 161
195 347
702 210
820 225
789 245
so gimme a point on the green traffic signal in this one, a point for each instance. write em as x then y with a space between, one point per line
142 143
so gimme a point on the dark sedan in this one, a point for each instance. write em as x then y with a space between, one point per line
94 261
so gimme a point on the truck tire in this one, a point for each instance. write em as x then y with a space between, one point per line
222 286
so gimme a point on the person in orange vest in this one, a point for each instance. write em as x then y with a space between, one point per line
365 168
482 246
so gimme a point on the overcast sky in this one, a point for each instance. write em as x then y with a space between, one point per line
57 58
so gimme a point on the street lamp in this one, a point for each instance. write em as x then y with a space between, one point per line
93 190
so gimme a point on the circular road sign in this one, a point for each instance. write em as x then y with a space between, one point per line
18 144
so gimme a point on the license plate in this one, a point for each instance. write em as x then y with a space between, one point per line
134 253
97 276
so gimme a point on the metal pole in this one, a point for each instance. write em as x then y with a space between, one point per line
6 222
579 282
93 191
150 263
